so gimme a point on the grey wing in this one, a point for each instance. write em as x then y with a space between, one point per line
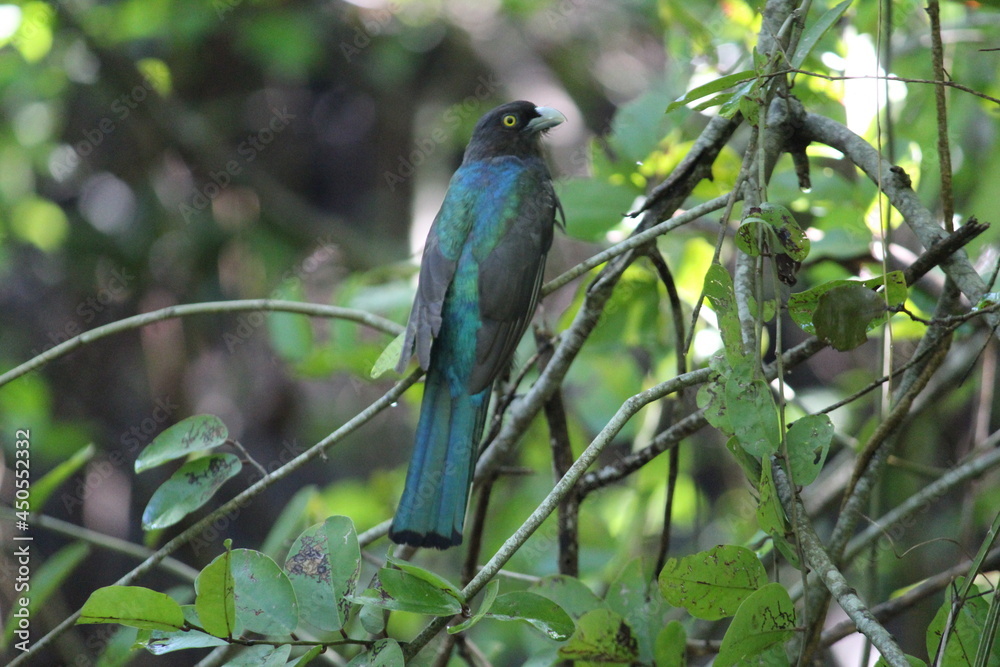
436 272
510 278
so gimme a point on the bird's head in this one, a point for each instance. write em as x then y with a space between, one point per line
512 129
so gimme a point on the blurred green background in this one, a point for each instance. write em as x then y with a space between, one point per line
162 152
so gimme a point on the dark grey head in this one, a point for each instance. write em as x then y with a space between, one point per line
511 129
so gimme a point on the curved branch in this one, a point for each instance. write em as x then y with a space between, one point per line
897 188
636 241
835 582
144 319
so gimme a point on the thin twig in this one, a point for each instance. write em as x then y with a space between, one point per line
835 582
914 594
145 319
562 460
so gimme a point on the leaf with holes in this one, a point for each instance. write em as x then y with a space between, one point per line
323 570
215 600
199 433
711 584
809 441
133 606
771 229
764 620
802 306
844 314
265 599
601 636
188 489
534 609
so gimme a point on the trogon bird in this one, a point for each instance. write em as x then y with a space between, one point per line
478 285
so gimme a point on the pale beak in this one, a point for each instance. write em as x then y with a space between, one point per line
547 118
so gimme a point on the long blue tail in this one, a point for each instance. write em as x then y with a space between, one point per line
432 509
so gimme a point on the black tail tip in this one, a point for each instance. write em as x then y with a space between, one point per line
432 539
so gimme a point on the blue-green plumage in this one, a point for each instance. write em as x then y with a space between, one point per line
479 280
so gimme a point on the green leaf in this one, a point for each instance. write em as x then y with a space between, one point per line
770 514
134 606
601 636
750 108
753 415
321 576
594 206
389 358
812 34
771 229
763 620
261 655
371 617
736 102
37 220
159 642
966 632
712 398
671 646
46 580
571 594
488 598
634 595
265 599
988 300
637 129
409 593
345 561
536 610
808 443
913 661
194 434
844 313
751 466
53 479
215 597
712 584
719 291
189 488
383 653
431 578
309 656
802 306
291 335
716 86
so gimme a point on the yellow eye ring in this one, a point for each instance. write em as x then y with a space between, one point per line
510 120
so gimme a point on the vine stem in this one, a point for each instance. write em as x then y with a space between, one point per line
144 319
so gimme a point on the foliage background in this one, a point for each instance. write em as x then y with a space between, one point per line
162 152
